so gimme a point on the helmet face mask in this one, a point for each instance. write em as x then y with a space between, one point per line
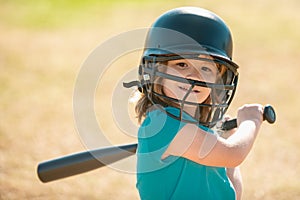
207 112
191 34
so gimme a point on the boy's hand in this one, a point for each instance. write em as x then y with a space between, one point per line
224 133
252 112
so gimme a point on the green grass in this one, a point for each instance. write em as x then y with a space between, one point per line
54 14
46 14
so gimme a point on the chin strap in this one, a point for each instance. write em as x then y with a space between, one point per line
132 84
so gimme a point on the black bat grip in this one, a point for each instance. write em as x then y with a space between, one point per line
269 115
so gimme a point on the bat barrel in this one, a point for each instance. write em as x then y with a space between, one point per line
82 162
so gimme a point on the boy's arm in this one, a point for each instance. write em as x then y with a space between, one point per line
235 177
234 174
204 148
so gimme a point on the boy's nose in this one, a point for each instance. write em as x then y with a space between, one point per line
195 75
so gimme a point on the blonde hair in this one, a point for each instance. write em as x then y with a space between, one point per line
144 103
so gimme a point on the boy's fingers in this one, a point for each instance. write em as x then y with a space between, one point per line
226 118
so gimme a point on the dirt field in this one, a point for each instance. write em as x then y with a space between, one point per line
43 45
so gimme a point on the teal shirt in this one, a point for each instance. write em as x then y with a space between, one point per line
174 177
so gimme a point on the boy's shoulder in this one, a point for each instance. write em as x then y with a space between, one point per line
159 116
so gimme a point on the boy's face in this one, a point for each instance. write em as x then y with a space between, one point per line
199 70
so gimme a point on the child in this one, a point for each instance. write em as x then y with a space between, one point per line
187 80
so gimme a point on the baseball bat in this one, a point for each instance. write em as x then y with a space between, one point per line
81 162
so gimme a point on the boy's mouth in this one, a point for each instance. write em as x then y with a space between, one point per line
186 89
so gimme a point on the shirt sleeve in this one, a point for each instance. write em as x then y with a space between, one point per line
154 137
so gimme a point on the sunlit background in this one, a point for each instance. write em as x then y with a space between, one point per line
43 44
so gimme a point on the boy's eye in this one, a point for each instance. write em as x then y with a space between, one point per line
206 69
182 65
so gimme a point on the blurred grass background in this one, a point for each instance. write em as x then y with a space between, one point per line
42 46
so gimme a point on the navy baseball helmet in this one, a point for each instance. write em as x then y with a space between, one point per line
190 33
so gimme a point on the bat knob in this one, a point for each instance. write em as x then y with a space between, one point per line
269 114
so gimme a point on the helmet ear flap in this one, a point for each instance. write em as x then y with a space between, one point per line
146 78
